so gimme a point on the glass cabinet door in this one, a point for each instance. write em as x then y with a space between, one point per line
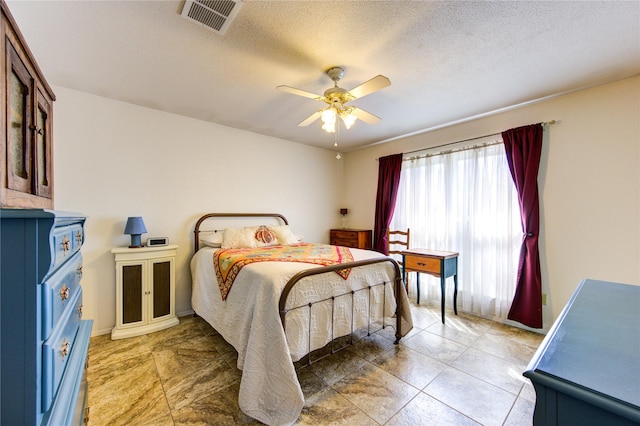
19 83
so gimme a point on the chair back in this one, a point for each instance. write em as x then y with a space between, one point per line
398 242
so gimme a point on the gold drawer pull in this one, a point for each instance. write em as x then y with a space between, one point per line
79 270
80 310
86 415
79 237
64 292
422 264
64 350
66 245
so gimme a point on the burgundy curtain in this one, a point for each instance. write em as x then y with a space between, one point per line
388 182
523 146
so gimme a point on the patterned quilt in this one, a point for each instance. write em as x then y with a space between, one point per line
228 262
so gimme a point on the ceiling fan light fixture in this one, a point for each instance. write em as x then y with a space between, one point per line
348 119
329 120
336 97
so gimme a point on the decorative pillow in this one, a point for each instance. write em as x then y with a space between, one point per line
263 236
285 236
212 240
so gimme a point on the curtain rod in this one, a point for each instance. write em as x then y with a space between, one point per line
450 143
544 123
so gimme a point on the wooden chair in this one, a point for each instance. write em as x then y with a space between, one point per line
397 242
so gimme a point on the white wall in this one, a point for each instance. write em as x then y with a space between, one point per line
113 160
589 183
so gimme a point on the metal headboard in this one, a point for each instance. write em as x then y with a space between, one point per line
196 231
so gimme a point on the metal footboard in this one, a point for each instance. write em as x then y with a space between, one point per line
397 288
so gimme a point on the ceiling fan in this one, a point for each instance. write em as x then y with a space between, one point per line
336 98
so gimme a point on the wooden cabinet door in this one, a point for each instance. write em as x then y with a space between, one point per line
43 161
132 293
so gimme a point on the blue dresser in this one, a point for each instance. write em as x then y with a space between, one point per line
587 369
43 339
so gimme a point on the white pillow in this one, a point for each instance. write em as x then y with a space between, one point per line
285 236
234 238
212 240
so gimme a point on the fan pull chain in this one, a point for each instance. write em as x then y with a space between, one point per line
335 138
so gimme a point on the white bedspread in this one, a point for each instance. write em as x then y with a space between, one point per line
249 320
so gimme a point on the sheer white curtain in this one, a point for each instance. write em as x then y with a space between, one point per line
464 201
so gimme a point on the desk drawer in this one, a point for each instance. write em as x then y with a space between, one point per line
422 264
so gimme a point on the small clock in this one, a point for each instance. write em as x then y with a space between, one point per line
157 241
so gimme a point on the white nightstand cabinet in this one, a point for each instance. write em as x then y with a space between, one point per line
145 290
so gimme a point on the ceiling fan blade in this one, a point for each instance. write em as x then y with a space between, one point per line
365 116
300 92
370 86
313 117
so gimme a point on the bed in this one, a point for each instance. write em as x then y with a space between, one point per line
275 308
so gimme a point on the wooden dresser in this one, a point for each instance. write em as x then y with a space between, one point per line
44 340
587 369
356 238
26 146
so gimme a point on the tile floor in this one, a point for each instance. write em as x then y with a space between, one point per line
467 372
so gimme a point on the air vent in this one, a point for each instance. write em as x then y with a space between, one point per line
216 15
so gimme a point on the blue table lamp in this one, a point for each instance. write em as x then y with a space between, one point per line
135 227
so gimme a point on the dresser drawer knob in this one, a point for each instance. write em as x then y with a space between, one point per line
66 245
79 270
64 292
80 310
422 264
79 237
64 349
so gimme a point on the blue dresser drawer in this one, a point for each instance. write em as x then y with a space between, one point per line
58 291
67 240
58 348
69 406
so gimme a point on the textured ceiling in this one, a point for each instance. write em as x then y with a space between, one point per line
447 61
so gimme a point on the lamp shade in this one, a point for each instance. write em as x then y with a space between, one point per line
329 120
348 119
135 227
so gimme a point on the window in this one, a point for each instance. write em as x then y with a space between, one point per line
465 201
